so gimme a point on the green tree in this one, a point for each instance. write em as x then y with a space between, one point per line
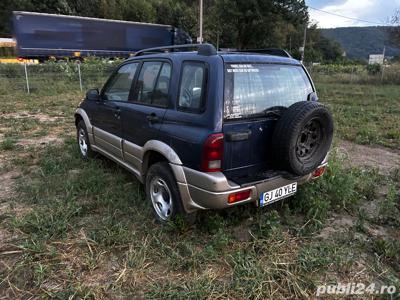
87 8
320 48
138 10
255 23
181 14
47 6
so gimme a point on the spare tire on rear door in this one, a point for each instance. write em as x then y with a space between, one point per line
302 137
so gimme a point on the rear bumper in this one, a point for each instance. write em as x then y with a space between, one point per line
211 190
201 190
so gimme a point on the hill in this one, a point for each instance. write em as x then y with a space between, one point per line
359 42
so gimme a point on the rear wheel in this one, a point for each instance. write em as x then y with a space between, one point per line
163 194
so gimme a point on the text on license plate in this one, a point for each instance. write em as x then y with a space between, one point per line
278 193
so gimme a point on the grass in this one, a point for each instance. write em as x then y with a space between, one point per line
85 225
365 114
82 229
8 144
389 208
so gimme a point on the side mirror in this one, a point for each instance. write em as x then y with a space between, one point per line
93 95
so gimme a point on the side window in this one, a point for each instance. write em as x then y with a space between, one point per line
153 82
192 84
160 95
120 84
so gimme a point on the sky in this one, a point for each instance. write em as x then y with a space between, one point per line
379 11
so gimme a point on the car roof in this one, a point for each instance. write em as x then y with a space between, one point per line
229 57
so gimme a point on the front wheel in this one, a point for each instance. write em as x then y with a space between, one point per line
162 191
83 141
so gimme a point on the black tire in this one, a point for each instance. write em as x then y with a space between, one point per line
81 129
302 137
163 172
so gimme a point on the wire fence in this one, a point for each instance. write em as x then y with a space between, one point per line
53 78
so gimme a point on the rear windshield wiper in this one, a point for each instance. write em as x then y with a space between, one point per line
273 111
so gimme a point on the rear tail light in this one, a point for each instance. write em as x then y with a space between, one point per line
239 196
319 172
213 151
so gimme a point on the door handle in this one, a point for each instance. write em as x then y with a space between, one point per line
117 113
152 118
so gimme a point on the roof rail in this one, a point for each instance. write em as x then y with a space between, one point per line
270 51
202 49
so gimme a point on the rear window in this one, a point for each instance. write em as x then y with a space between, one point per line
251 89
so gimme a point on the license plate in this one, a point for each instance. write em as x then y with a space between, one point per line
277 194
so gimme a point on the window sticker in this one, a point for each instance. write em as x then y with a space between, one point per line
242 68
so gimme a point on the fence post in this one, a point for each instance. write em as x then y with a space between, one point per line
26 78
79 74
353 69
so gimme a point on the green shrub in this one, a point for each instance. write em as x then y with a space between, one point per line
374 69
268 225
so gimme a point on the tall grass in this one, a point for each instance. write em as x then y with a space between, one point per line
356 74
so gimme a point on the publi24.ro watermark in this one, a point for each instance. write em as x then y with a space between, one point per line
353 288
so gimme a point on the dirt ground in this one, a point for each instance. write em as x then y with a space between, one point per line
386 160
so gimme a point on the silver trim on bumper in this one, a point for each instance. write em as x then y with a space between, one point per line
211 190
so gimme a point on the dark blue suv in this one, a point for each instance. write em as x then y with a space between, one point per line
208 130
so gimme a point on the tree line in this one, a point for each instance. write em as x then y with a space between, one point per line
240 24
395 31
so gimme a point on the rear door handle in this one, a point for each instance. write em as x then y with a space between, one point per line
117 113
152 118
